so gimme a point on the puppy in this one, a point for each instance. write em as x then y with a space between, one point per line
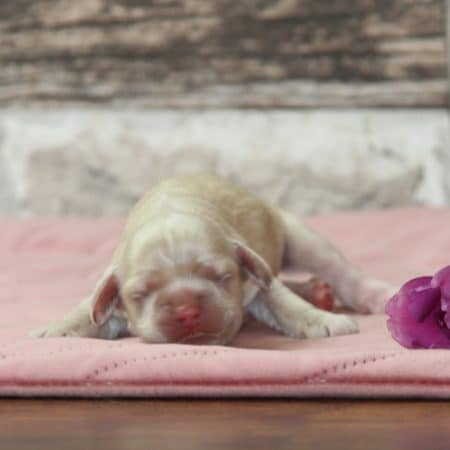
197 253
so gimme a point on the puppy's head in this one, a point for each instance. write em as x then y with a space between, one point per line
185 285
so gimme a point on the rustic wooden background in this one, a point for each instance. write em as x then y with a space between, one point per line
225 53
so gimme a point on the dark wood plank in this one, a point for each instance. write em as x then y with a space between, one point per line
240 424
191 53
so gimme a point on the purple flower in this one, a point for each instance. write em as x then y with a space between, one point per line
419 313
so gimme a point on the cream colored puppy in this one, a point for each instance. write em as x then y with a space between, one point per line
197 253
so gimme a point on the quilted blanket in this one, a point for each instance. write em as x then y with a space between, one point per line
48 265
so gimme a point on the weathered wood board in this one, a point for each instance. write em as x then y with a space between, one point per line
224 53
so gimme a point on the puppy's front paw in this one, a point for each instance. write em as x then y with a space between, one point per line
56 330
38 332
330 324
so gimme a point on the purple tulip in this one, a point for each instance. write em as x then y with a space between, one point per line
419 313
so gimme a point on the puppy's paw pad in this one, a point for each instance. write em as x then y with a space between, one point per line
322 295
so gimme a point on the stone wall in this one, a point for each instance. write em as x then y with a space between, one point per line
224 53
100 99
94 162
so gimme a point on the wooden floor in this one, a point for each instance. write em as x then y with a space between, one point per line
227 424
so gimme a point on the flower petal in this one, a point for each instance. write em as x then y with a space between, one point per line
447 320
421 302
416 318
419 335
442 280
391 306
445 304
417 298
441 277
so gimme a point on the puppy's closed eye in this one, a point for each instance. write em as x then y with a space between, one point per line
153 285
150 287
213 274
138 296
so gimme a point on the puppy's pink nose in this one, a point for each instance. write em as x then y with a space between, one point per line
188 315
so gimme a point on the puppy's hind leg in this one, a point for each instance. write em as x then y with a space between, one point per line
284 311
315 291
308 251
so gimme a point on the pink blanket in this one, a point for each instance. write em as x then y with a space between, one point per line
47 265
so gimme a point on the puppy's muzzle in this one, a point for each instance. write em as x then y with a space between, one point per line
184 307
188 311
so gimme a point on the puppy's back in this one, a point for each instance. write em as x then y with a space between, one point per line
214 198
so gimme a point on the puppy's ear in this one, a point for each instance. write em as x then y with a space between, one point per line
105 298
253 265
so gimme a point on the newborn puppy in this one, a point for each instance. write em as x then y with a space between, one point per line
197 253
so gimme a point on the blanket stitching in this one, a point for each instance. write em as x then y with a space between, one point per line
112 366
319 376
312 379
4 356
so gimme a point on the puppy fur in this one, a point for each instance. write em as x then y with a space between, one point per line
197 253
